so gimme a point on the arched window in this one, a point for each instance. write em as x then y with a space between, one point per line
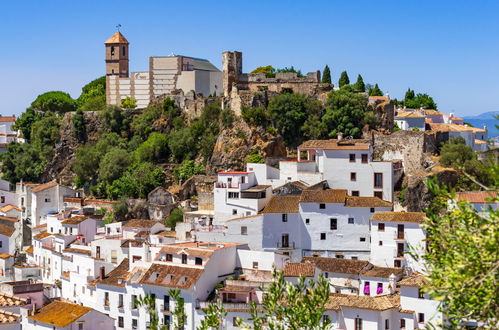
112 50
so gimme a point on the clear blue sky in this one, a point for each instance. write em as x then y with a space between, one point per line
449 49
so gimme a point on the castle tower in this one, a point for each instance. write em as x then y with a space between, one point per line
232 68
117 56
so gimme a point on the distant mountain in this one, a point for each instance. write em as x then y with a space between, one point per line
487 119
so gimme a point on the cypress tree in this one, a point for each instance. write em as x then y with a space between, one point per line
344 80
409 95
375 91
359 86
326 75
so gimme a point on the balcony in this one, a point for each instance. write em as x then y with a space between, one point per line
400 236
165 308
226 185
285 245
235 306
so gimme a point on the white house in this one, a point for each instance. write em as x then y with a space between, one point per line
8 238
7 195
64 315
48 198
481 200
393 234
23 193
408 119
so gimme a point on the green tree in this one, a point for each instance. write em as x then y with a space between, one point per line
180 317
93 95
421 100
138 181
214 317
227 117
78 120
292 70
21 162
289 112
255 158
114 119
128 103
175 216
359 85
45 133
188 169
149 302
26 120
409 95
258 116
141 125
375 91
182 144
55 101
346 112
154 149
113 165
326 75
462 259
344 80
268 71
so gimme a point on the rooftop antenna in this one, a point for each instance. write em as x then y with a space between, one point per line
118 27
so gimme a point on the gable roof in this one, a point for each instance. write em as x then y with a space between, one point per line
44 186
337 265
7 119
74 220
324 196
378 303
477 196
41 235
335 144
76 250
9 207
299 269
362 201
182 277
140 223
7 300
117 38
60 313
282 204
409 114
117 276
414 217
381 272
6 230
415 279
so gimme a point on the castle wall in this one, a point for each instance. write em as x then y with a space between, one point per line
136 87
164 72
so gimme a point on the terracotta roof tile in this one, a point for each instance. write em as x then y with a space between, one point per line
74 220
7 300
30 249
9 317
246 217
439 127
44 186
171 276
282 204
381 272
378 303
334 144
10 219
477 196
60 313
337 265
324 196
75 250
415 279
41 235
140 223
299 269
382 98
5 256
409 114
356 201
415 217
197 252
9 207
7 119
117 38
6 230
117 276
167 233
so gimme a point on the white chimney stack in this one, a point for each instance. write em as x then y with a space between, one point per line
340 136
392 283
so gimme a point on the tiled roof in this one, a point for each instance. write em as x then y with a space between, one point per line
6 230
5 256
117 276
197 252
439 127
323 196
377 303
477 196
480 141
10 219
140 223
7 300
430 112
408 114
9 207
181 277
167 233
9 317
142 234
234 172
257 188
30 249
235 288
40 226
282 204
381 272
246 217
335 144
75 250
60 313
117 38
297 184
134 242
356 201
415 279
41 235
299 269
44 186
75 220
7 119
415 217
337 265
383 98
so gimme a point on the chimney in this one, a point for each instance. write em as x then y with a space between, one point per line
340 136
391 283
485 127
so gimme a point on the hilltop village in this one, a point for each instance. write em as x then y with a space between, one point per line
88 246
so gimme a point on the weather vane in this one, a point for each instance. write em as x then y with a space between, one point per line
118 27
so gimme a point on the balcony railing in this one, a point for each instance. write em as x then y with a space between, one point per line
226 185
237 306
284 245
400 235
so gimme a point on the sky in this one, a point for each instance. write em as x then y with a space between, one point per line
448 49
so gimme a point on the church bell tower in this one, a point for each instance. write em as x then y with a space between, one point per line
117 56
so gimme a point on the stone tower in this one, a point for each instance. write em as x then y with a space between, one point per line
117 56
232 68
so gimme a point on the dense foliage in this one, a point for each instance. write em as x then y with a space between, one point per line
375 91
344 80
416 101
56 101
359 85
326 75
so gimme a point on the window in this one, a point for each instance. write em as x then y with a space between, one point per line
233 195
322 206
379 289
22 201
372 209
381 226
242 179
323 236
352 158
244 230
421 317
355 258
420 293
135 324
378 180
397 263
51 229
47 200
134 301
339 256
255 264
120 300
402 323
123 52
112 50
387 324
358 323
106 298
353 176
378 194
351 221
284 217
2 199
364 158
184 259
169 257
198 261
80 326
307 221
121 322
355 193
234 212
326 275
362 239
333 223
